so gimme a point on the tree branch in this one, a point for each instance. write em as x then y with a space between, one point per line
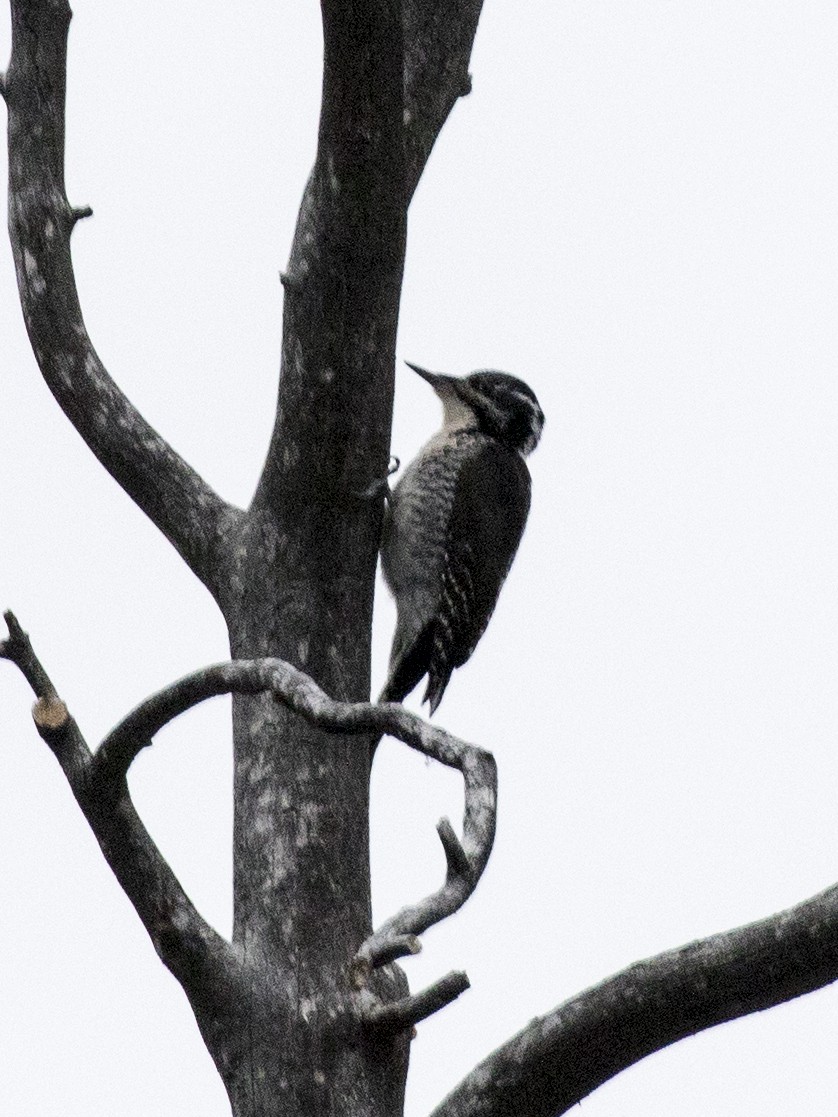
438 41
186 944
398 1016
342 287
195 520
466 859
465 867
560 1058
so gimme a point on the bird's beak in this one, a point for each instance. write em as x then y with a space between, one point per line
436 380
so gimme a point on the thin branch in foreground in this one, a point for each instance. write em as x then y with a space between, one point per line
187 945
467 858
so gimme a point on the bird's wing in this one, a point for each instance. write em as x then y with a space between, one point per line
487 519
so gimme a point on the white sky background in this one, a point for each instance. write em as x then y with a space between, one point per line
635 210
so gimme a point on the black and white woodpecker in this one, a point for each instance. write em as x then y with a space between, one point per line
453 524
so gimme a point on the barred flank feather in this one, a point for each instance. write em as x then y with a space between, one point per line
446 558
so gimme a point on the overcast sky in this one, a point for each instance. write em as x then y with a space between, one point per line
635 210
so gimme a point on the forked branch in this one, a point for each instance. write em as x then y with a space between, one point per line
195 520
190 948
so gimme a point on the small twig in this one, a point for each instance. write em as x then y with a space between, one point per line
289 281
50 714
17 648
398 1016
399 947
455 855
79 213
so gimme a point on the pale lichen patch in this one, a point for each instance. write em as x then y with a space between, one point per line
33 274
180 919
64 367
334 181
307 1008
261 825
265 800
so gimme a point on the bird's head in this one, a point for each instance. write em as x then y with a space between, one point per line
496 403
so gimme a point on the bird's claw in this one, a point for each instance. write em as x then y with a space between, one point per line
380 485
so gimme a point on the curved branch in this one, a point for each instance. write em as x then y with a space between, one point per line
178 501
560 1058
467 858
186 944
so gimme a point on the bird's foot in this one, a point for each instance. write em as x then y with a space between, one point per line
381 485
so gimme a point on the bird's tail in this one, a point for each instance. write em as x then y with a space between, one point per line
437 682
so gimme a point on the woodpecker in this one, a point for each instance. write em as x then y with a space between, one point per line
453 524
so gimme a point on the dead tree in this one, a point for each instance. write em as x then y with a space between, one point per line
305 1011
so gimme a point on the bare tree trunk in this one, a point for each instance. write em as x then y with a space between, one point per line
303 592
305 1011
293 575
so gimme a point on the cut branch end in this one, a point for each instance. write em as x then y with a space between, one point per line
402 1015
50 713
79 213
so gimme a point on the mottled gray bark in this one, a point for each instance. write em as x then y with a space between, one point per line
305 1011
560 1058
232 987
293 1013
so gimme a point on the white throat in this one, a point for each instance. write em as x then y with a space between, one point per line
457 415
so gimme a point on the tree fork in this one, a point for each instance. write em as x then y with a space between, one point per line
293 575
